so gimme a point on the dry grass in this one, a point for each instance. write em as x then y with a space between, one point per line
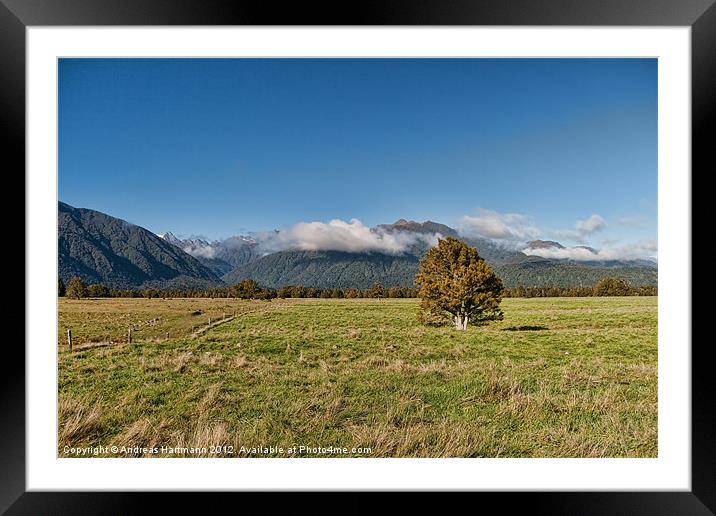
77 422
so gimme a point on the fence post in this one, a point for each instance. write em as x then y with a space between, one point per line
209 321
69 338
223 316
129 335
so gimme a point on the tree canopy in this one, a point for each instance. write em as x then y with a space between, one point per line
454 280
612 287
97 290
76 288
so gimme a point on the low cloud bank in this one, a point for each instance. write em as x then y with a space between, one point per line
510 230
339 235
639 250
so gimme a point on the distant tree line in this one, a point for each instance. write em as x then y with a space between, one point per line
376 291
245 289
76 288
604 287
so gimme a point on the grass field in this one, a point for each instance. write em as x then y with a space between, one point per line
559 377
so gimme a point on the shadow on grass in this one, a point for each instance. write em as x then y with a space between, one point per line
526 328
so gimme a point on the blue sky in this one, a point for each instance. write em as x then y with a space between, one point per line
219 147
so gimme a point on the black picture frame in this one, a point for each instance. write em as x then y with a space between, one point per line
700 15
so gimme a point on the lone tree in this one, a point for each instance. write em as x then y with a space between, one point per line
76 288
454 281
60 287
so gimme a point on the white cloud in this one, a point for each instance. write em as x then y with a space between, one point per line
582 229
591 225
638 250
197 247
339 235
200 250
498 226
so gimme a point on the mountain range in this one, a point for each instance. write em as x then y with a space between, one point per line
103 249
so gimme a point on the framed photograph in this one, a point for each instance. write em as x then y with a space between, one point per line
427 248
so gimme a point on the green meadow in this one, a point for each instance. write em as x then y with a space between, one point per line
558 377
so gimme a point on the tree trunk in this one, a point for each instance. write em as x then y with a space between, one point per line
460 322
